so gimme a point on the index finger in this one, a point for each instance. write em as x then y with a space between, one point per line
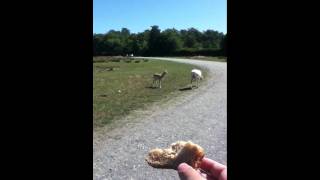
213 167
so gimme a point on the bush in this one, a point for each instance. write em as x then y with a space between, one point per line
127 60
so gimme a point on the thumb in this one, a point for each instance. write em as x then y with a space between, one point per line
186 172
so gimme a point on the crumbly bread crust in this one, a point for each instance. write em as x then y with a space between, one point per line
177 153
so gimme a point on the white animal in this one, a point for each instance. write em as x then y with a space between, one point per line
196 75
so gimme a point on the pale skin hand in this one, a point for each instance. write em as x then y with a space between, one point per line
213 171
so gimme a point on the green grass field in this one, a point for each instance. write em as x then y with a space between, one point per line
126 87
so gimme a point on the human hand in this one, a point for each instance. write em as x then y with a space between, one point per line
210 170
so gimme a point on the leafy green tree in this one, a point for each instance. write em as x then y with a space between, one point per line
170 41
154 41
98 44
157 42
210 39
223 45
125 32
192 38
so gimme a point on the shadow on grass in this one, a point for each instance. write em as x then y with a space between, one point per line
185 89
150 87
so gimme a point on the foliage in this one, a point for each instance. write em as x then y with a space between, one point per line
155 42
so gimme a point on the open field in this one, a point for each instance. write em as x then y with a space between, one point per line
122 84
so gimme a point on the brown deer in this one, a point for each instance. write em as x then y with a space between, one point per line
157 78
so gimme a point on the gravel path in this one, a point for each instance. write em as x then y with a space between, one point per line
198 115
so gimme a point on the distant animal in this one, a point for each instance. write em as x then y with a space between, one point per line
157 78
196 75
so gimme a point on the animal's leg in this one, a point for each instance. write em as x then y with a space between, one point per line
192 83
154 83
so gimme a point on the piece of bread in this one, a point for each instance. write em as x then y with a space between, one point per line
178 153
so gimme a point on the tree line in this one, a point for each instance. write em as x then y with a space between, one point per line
155 42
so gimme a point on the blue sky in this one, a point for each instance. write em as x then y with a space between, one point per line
139 15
